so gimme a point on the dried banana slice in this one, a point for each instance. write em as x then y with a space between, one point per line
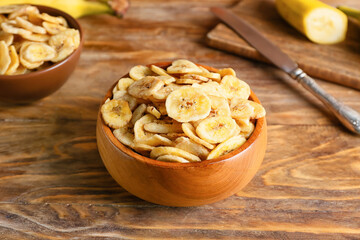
125 136
186 81
117 94
14 61
235 87
259 111
128 98
159 127
36 37
32 54
152 110
189 130
2 19
226 147
219 107
210 75
163 93
8 38
160 151
227 71
188 104
140 147
123 84
241 108
10 8
211 89
21 70
190 146
247 129
142 136
183 66
10 27
5 59
138 113
167 79
21 22
160 71
116 113
23 10
145 87
196 77
161 107
53 28
216 129
65 43
57 20
172 158
138 72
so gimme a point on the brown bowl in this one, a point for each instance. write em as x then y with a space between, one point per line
35 85
182 184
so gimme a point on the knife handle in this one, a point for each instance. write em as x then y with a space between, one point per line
346 115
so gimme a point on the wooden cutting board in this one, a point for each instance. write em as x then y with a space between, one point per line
338 63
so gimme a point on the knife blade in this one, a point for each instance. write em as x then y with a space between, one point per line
346 115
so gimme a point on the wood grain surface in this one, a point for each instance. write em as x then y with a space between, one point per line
314 59
53 184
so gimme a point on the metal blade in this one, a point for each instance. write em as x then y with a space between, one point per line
254 38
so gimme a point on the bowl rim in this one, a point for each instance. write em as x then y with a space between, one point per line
259 127
77 26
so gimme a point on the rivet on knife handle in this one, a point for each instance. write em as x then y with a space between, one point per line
346 115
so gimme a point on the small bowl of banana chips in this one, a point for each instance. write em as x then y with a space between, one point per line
39 49
181 134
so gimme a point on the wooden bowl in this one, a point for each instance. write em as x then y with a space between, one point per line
181 184
36 85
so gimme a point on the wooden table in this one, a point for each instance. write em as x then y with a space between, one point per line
53 184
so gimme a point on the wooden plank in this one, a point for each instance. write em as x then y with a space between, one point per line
336 63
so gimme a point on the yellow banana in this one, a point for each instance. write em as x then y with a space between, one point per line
318 21
352 12
78 8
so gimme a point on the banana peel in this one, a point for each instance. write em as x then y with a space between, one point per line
79 8
351 12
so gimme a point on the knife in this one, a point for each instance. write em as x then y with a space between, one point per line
346 115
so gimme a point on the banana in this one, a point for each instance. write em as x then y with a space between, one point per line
123 84
132 101
163 93
247 130
138 113
183 66
235 87
5 59
172 158
219 107
14 64
160 151
216 129
189 130
228 146
318 21
142 136
76 8
145 87
227 71
125 136
138 72
116 113
241 108
159 71
153 111
188 104
65 43
8 38
190 146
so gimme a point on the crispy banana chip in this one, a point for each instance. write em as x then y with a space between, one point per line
145 87
216 129
53 28
124 135
161 94
138 113
226 147
259 111
235 87
227 71
21 70
219 107
152 110
159 71
10 8
172 158
14 64
211 88
23 10
57 20
241 108
183 66
10 27
163 127
64 43
21 22
160 151
189 130
2 18
116 113
138 72
32 54
5 59
8 38
36 37
190 146
187 81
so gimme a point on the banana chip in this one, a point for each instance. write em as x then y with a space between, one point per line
14 61
36 37
23 10
57 20
116 113
21 22
32 54
187 113
8 38
53 28
10 27
5 59
64 43
10 8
